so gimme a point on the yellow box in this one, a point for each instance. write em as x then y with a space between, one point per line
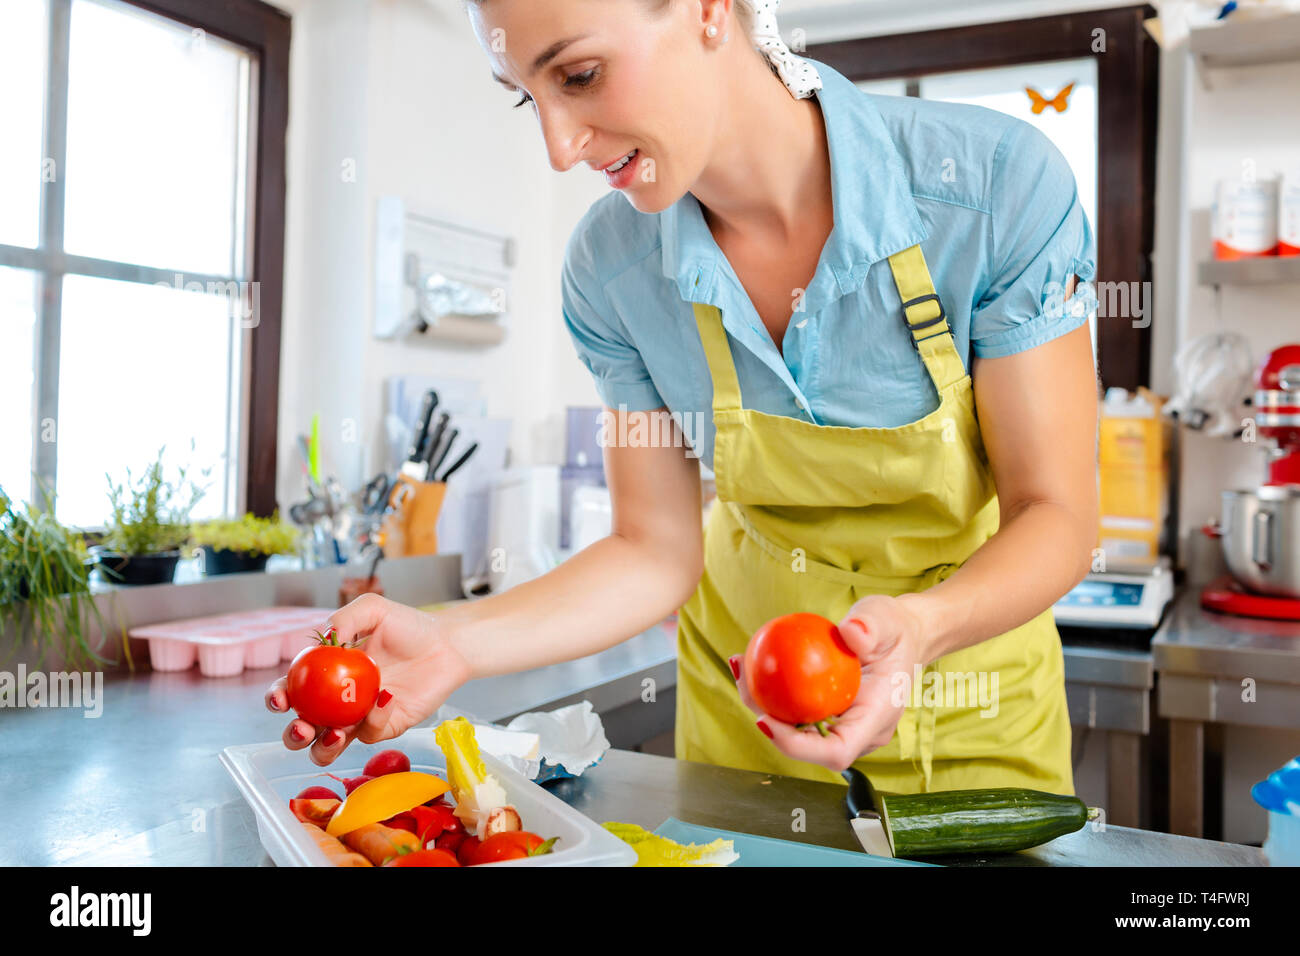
1134 444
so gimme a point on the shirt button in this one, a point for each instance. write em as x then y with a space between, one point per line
802 407
801 324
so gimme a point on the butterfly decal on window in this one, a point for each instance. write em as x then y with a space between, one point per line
1038 102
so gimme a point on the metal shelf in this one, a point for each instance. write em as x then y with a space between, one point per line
1265 270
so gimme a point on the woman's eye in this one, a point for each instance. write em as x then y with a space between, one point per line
581 79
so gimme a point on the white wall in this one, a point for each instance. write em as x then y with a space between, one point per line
400 92
1206 135
401 88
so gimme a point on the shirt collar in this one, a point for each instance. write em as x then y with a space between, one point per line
875 214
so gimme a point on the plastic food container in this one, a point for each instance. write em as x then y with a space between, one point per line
225 644
269 776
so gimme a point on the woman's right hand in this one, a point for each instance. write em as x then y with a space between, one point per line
419 668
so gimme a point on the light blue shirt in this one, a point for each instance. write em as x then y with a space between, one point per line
991 200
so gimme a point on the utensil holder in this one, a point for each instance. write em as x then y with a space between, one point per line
411 525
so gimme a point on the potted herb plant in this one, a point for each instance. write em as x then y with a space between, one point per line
151 521
45 600
243 544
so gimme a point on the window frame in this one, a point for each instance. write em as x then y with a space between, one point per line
264 33
1127 102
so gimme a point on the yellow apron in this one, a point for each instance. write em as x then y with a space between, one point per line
813 518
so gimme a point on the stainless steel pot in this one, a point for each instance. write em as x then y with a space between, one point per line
1261 538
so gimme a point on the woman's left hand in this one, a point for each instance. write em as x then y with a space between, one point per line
887 636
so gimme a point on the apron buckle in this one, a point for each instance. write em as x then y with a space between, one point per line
915 327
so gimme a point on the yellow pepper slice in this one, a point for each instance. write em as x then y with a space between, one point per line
387 796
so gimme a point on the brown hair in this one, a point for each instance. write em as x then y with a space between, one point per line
744 13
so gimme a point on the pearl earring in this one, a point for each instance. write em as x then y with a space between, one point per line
710 31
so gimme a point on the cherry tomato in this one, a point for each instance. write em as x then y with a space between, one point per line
332 685
799 670
314 810
424 858
449 841
511 845
317 793
465 852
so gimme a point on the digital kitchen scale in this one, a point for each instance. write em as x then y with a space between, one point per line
1116 606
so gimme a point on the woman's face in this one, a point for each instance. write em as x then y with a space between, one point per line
629 80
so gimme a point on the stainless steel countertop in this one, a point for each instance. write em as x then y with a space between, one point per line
141 784
1207 660
139 779
1196 641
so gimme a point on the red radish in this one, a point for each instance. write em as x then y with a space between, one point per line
387 761
350 783
502 820
317 793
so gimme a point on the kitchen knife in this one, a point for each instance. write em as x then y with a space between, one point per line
459 461
441 454
430 450
413 467
863 817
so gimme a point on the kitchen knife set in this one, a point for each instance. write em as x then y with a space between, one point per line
430 444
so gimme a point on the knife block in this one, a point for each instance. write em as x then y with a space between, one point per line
410 527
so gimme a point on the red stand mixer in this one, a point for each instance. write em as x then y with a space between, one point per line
1260 529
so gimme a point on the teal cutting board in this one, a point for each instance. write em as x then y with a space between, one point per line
764 851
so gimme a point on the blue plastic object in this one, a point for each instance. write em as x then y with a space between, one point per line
1279 794
765 851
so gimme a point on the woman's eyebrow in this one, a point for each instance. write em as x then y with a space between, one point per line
545 57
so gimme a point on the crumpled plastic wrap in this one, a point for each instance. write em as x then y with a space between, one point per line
569 740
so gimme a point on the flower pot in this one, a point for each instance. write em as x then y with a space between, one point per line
159 568
221 561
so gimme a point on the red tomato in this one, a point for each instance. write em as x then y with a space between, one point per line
317 811
799 670
511 845
465 852
424 858
332 685
451 841
317 793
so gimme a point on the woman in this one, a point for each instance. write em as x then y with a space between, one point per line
767 269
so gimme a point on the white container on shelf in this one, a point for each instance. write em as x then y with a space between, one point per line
1244 218
268 775
1288 213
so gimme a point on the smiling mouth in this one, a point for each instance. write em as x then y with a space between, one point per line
619 164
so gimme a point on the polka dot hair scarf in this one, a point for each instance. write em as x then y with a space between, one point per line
799 76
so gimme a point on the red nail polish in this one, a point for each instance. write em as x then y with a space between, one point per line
735 667
384 698
766 729
295 733
334 737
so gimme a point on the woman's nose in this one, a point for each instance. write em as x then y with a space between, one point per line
565 138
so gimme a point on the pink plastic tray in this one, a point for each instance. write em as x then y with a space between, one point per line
224 644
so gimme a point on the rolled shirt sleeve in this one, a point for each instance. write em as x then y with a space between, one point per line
600 337
1040 239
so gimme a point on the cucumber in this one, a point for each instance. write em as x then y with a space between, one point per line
977 821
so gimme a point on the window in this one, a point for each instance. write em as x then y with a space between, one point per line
1107 131
141 236
1058 97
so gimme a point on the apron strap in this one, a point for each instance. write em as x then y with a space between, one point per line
717 352
924 315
